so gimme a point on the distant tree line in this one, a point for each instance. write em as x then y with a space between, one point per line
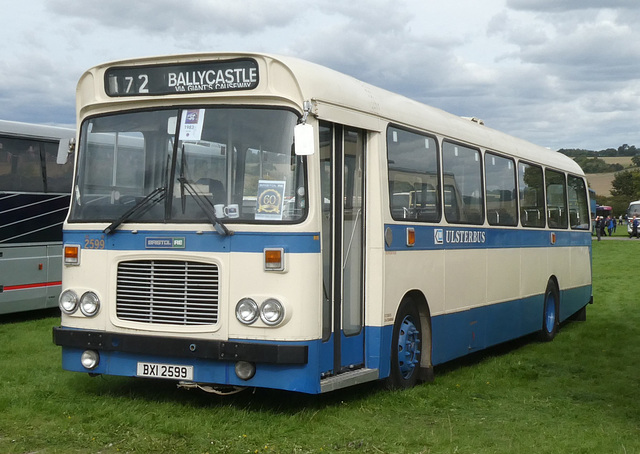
625 186
622 150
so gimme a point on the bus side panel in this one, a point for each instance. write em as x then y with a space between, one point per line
572 300
460 333
503 274
580 266
465 278
23 278
378 348
32 218
30 252
534 274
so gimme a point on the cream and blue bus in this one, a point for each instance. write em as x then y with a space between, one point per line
35 183
242 220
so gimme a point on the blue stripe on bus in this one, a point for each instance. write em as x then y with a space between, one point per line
428 237
124 240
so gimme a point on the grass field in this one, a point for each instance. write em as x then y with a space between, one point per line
625 161
601 182
577 394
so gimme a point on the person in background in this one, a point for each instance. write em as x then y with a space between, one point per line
610 225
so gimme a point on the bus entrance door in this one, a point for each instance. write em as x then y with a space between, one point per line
342 154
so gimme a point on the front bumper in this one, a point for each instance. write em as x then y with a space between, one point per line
181 347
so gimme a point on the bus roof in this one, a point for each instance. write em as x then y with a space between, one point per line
337 97
36 131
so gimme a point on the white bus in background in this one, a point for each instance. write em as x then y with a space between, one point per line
633 210
282 225
35 182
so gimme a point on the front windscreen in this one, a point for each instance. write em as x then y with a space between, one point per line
633 210
189 165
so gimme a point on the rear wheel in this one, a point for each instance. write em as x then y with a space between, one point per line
550 321
405 348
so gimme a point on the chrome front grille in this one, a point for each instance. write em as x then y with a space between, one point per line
168 292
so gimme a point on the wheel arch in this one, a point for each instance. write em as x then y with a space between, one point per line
554 279
422 305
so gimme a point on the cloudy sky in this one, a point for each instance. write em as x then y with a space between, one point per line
560 73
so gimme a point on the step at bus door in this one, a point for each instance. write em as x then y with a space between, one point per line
342 155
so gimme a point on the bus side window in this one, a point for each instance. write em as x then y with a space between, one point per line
21 168
556 199
413 176
464 165
500 179
531 195
58 175
578 204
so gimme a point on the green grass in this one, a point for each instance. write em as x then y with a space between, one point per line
577 394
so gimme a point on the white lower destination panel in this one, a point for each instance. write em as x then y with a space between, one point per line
174 371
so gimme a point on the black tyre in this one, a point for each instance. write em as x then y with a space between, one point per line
405 348
551 312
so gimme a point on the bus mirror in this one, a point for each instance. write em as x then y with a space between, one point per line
65 148
303 139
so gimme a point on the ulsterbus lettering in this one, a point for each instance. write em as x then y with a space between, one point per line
465 236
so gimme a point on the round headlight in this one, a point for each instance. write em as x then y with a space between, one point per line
68 302
247 311
271 312
89 304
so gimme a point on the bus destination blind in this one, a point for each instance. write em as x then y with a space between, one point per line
177 78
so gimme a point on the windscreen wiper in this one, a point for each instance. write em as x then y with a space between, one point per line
141 207
206 206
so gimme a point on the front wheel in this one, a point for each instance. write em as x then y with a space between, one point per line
405 348
550 322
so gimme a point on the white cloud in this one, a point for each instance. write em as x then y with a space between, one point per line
559 73
568 5
178 18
